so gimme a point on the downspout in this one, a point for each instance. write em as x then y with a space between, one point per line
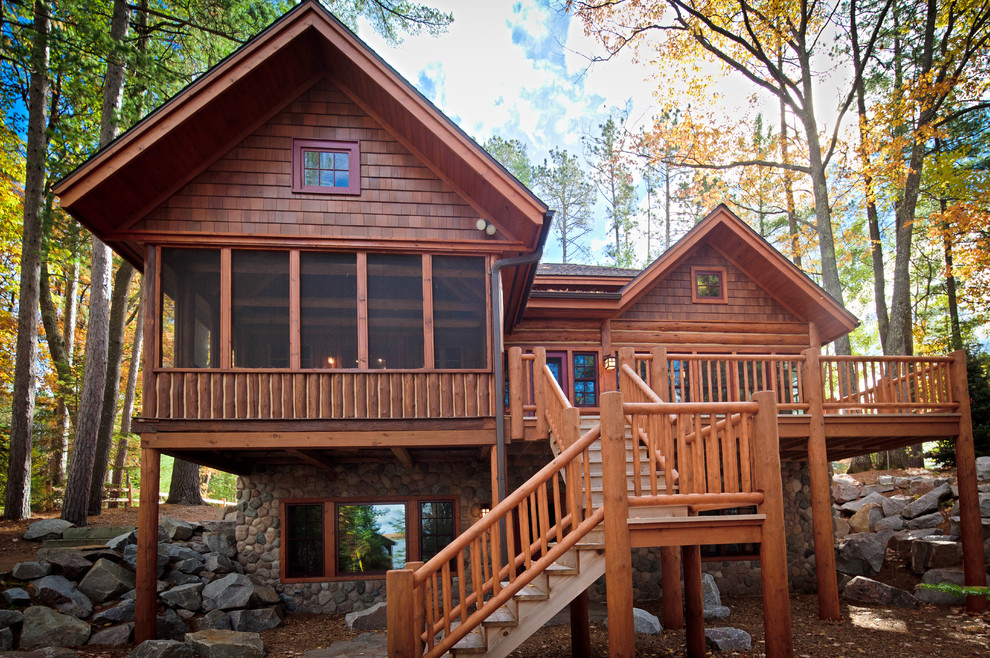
499 347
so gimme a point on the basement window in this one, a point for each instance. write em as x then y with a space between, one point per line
708 285
326 167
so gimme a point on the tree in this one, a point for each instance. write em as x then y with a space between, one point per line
566 187
511 154
17 501
184 488
609 154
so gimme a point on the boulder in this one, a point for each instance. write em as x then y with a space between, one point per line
927 503
237 591
221 542
728 639
16 596
920 485
71 565
939 576
162 649
215 619
11 618
186 597
644 622
841 527
983 468
901 541
892 523
178 552
372 619
712 599
867 590
130 557
170 626
106 580
844 491
43 627
894 505
866 517
854 506
123 611
6 639
984 506
261 619
46 529
188 566
31 570
179 578
955 527
213 643
177 529
114 636
861 554
61 594
935 553
218 563
932 520
120 542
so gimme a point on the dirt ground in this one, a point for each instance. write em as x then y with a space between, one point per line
878 632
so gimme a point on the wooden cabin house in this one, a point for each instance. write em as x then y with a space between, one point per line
348 312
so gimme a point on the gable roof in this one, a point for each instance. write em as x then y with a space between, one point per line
150 162
723 231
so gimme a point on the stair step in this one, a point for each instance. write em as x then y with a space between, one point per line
562 570
502 617
472 643
529 593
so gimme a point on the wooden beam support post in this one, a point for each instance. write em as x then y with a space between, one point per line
660 373
618 551
580 629
403 638
516 388
540 392
821 491
627 356
974 571
145 616
773 547
693 601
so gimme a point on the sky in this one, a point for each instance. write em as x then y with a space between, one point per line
520 70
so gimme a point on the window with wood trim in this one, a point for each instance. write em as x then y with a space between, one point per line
260 309
395 311
708 285
585 374
328 310
460 312
326 167
344 539
189 328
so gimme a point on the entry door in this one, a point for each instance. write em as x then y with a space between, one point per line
557 362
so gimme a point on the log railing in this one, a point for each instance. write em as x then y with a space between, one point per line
887 384
209 395
437 597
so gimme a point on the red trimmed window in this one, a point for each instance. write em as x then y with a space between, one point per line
708 285
326 167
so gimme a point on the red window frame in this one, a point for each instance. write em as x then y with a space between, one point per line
719 272
300 146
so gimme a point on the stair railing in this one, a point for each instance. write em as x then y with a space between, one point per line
539 523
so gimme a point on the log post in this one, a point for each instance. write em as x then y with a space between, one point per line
540 392
773 546
821 504
401 614
974 573
618 551
580 629
660 373
627 357
693 601
516 389
145 616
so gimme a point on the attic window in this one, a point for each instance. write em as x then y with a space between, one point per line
325 167
708 285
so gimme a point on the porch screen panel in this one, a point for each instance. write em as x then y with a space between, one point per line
190 303
460 339
395 311
328 310
260 313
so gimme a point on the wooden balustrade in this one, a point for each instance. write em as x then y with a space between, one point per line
206 395
735 377
887 384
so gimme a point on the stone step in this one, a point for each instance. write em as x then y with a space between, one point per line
75 543
97 533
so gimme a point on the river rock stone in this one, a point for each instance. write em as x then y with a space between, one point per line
927 503
106 580
187 597
46 529
177 529
257 620
11 618
213 643
123 611
866 590
6 639
728 639
43 627
162 649
113 636
237 591
60 593
16 596
31 570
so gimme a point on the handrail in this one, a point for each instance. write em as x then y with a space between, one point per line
893 384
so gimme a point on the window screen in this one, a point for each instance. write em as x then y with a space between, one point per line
328 310
190 322
260 314
460 339
395 311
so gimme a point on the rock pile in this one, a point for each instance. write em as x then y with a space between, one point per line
906 517
80 591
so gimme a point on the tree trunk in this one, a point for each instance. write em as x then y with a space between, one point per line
184 489
111 390
860 464
128 409
792 225
17 500
91 398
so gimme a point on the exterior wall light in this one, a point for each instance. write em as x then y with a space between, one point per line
609 361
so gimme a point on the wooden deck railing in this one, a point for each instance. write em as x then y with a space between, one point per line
206 395
888 384
436 597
